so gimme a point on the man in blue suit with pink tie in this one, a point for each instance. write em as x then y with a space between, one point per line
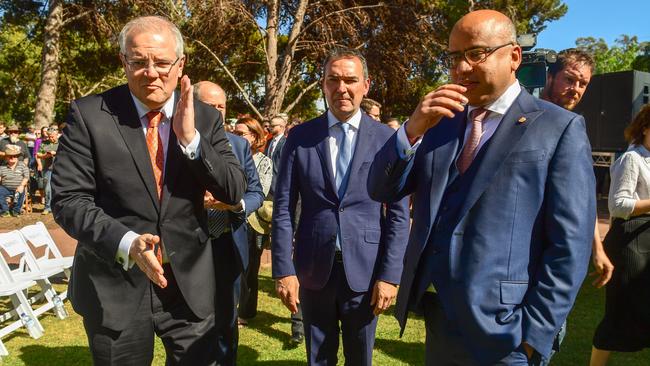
347 258
503 193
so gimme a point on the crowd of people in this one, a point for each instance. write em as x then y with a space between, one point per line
26 158
478 212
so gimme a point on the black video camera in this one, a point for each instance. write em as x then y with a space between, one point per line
532 71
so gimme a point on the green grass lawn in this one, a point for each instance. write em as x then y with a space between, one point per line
265 340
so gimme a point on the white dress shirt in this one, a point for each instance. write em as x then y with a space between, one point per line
192 151
336 134
274 143
497 109
630 181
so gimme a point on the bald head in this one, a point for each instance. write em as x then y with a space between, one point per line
489 24
485 55
212 94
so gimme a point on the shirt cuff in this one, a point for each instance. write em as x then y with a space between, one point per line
193 149
404 148
122 256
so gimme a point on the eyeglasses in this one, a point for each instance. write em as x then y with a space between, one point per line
472 56
163 68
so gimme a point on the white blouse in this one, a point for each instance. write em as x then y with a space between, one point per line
630 175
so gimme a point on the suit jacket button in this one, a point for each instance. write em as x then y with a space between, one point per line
341 209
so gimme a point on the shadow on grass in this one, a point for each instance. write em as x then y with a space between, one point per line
37 355
264 322
267 285
411 353
248 356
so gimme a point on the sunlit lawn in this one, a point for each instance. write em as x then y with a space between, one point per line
265 340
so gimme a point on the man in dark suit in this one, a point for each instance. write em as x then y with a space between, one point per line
273 150
503 200
129 181
347 258
229 231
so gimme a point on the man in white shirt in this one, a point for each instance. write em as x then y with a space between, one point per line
502 189
128 184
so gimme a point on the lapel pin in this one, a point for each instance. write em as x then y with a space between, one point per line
521 119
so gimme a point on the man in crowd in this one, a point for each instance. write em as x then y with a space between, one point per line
128 184
274 148
393 123
229 231
46 155
345 264
503 205
14 176
372 108
13 138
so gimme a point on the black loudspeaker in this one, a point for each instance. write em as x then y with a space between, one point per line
609 104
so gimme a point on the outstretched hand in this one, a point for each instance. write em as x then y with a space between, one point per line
142 252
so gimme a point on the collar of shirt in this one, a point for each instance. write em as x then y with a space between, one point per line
641 150
501 105
167 109
354 121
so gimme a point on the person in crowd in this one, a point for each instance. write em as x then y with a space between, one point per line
41 136
345 264
250 129
625 326
393 123
372 108
14 176
13 138
128 183
504 205
275 145
46 155
566 82
30 138
229 231
3 130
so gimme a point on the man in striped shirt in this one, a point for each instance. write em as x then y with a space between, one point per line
13 181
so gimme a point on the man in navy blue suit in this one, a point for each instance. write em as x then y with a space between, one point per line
347 258
503 200
229 232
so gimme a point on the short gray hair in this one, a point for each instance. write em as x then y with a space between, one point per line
151 23
340 53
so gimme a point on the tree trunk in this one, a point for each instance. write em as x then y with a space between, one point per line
44 111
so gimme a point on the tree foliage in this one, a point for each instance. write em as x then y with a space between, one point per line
267 53
627 53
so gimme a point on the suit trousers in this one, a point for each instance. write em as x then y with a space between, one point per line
445 345
188 340
250 282
228 270
323 310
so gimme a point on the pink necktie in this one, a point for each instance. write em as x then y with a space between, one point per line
471 145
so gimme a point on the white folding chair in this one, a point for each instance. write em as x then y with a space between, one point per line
39 237
20 314
14 245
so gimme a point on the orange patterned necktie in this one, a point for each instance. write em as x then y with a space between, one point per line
471 145
156 155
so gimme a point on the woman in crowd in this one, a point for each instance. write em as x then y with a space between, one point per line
626 324
250 129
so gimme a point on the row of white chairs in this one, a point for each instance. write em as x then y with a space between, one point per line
30 258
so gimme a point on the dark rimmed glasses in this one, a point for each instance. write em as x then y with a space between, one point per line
472 56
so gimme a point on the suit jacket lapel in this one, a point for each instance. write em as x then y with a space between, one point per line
128 123
443 158
505 138
172 162
323 150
